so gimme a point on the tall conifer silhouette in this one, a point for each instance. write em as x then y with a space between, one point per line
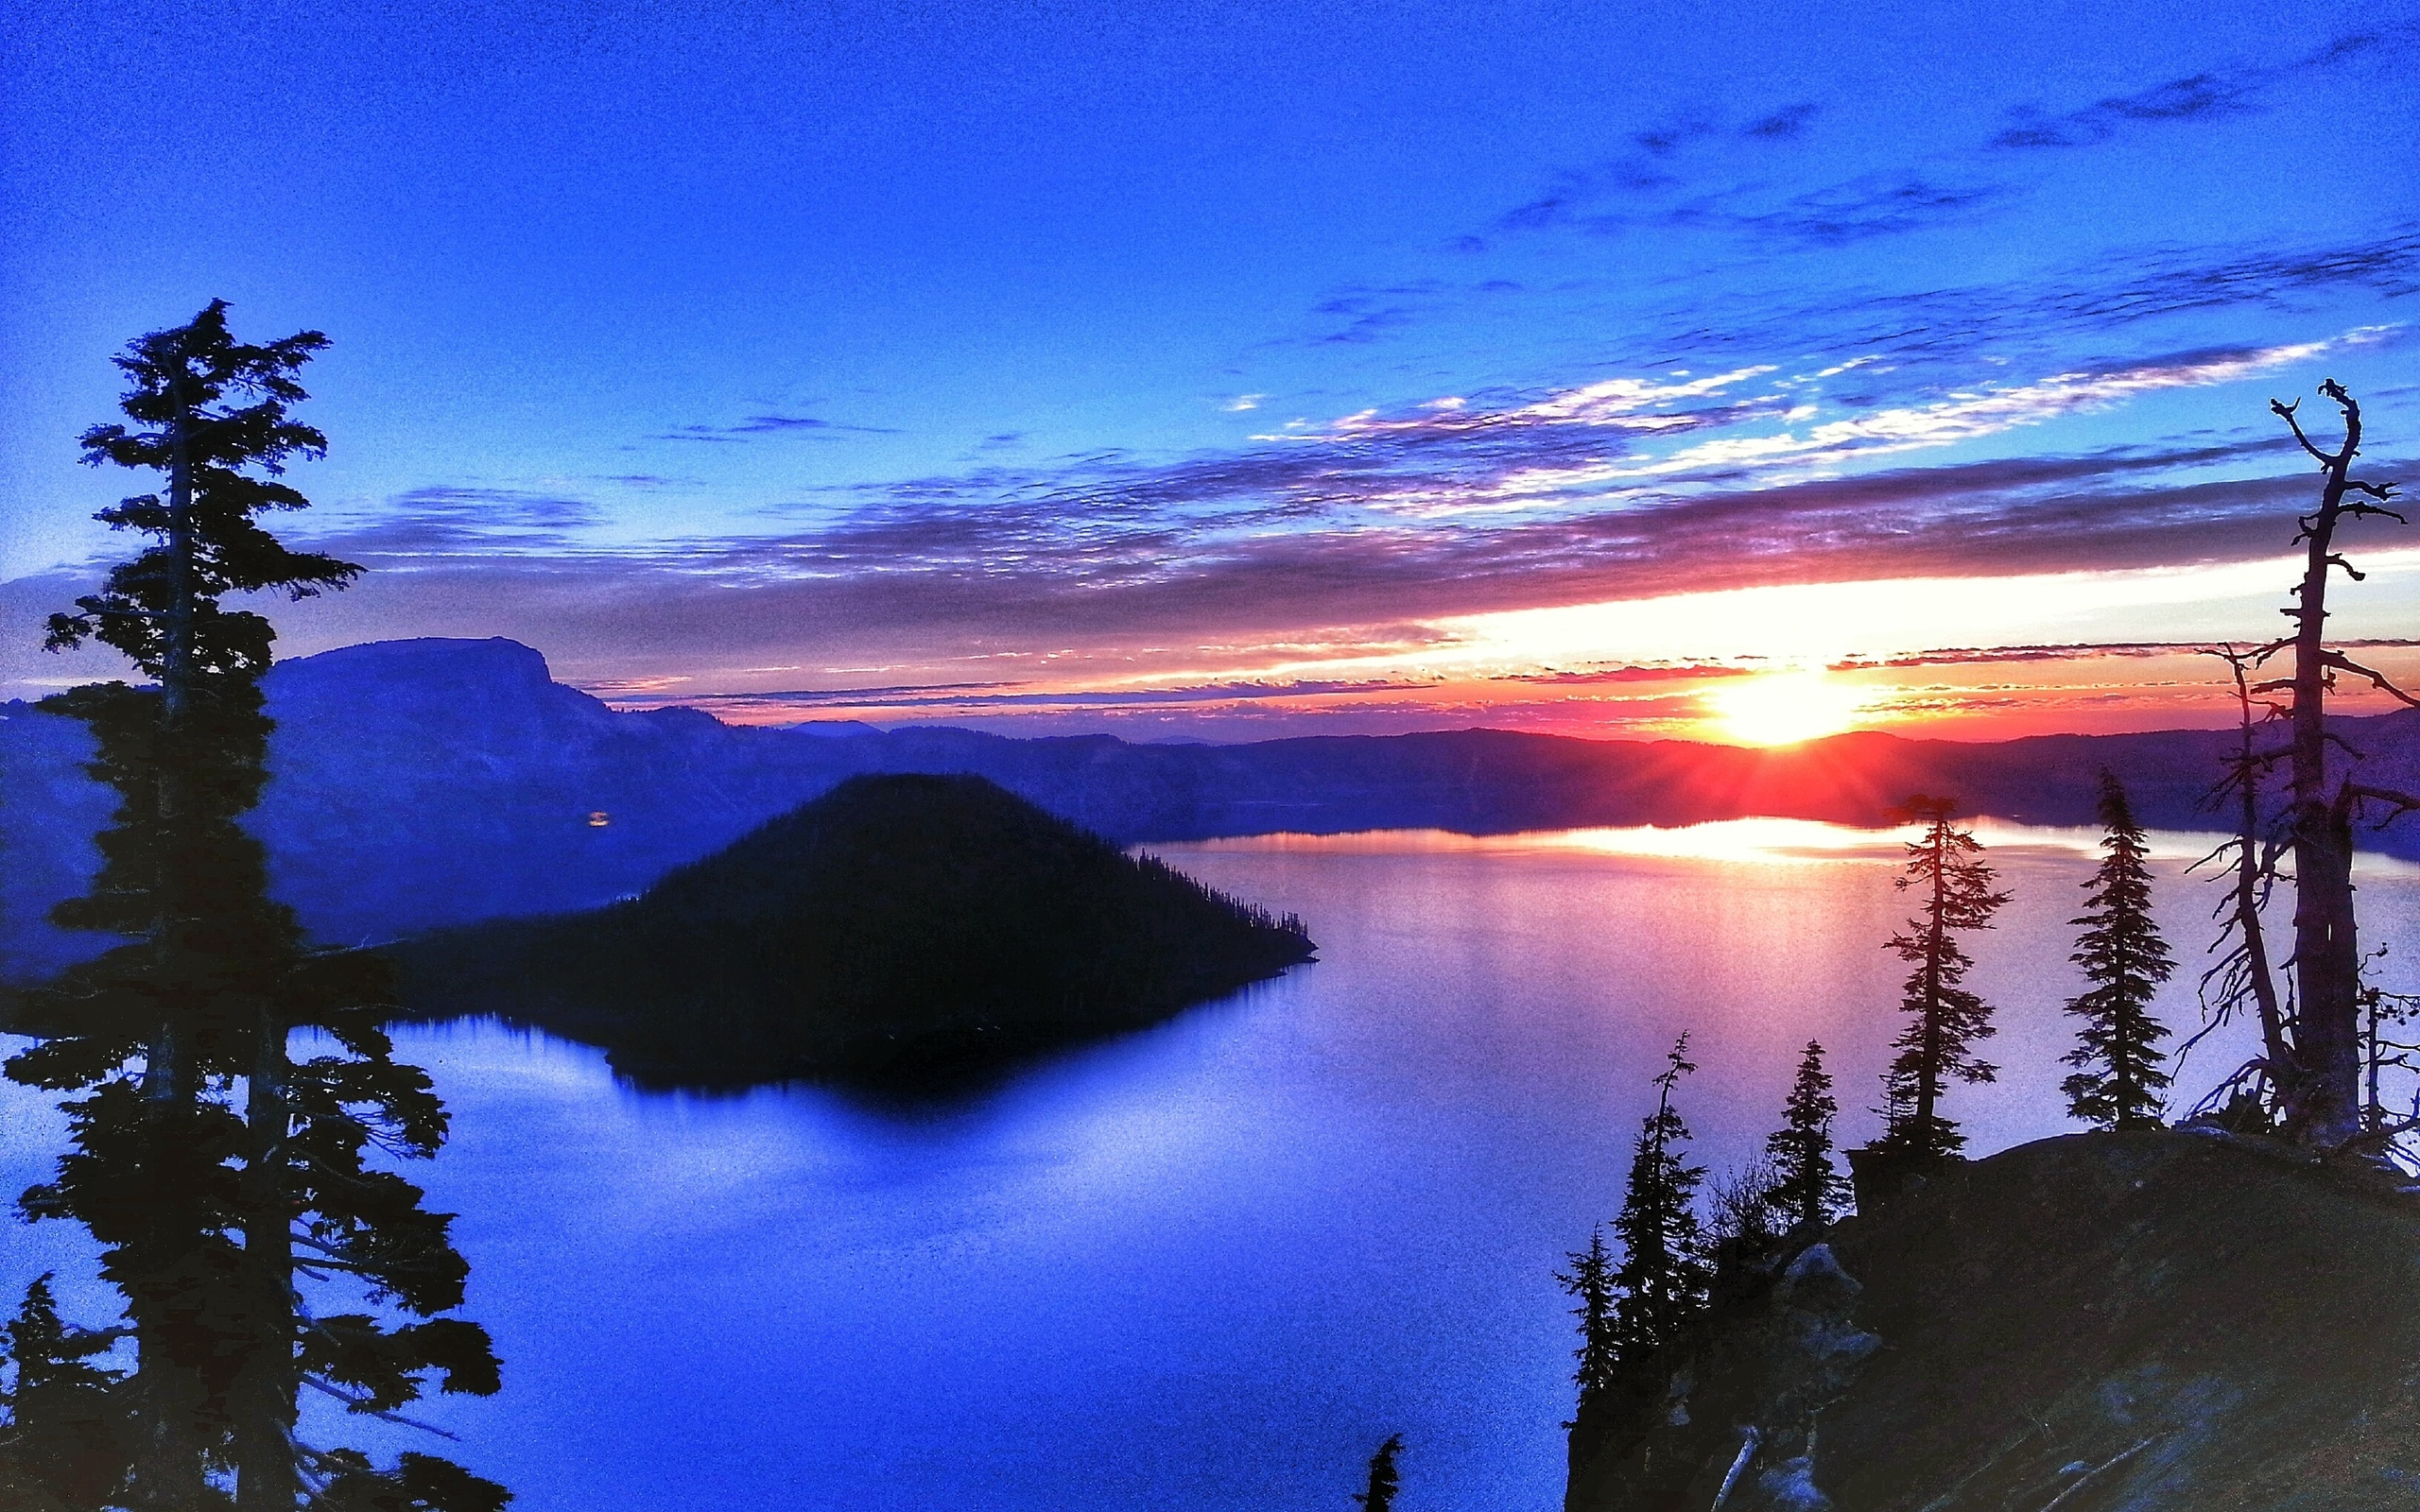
154 1168
208 1208
1661 1284
1590 1282
2119 1080
1946 870
1809 1188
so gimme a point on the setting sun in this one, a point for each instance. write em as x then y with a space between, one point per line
1784 708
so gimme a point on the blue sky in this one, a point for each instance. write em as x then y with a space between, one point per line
1172 368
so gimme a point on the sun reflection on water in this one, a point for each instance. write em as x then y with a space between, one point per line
1770 840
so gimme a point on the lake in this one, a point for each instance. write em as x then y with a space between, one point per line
1212 1265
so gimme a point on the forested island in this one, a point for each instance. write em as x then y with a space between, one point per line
897 927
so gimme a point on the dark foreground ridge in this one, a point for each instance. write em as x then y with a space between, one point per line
896 929
2154 1321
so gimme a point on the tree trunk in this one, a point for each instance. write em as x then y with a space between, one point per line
2124 1078
2373 1059
2327 949
267 1478
1929 1076
170 1397
177 626
2248 874
2327 1038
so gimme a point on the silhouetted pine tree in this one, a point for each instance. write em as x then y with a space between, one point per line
62 1445
1661 1283
1591 1281
1807 1186
1946 1019
153 1169
198 1205
2118 1078
1383 1484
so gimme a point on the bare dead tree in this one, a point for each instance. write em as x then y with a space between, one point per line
2324 1105
2243 974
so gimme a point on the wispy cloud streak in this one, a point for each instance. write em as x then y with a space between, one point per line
1618 488
2210 95
756 426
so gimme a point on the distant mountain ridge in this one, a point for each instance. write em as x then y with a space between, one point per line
419 783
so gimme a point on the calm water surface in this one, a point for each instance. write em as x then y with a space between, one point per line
1212 1265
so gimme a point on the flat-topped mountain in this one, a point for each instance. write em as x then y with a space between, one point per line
897 926
419 783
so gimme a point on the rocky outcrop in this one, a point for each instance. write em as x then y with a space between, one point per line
2146 1322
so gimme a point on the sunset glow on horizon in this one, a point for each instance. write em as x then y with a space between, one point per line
1259 373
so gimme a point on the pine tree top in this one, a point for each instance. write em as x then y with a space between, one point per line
210 414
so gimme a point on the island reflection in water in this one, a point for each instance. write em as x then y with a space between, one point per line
1214 1263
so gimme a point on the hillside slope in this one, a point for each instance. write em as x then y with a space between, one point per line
897 925
2146 1322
